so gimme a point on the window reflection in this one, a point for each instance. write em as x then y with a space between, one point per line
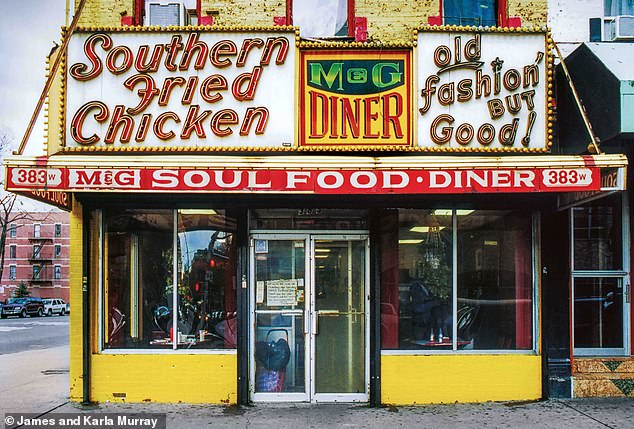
493 280
139 294
206 285
598 235
138 270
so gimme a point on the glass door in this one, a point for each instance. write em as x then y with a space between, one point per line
279 293
339 319
309 321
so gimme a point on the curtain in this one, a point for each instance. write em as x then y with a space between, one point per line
619 7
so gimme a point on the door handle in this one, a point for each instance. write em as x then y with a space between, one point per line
315 323
306 322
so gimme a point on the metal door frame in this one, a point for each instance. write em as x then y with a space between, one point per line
340 397
309 238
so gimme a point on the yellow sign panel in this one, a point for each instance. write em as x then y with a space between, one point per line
355 98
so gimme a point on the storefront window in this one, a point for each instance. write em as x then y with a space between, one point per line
495 305
597 231
456 280
206 285
139 277
599 277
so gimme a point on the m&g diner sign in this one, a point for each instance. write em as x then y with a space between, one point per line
190 89
233 90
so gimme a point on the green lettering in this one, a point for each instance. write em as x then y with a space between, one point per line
335 72
377 72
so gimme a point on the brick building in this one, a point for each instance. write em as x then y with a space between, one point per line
377 186
37 253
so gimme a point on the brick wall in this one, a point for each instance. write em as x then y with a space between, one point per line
244 12
532 12
105 13
394 21
387 21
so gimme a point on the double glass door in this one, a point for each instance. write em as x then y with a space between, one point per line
309 318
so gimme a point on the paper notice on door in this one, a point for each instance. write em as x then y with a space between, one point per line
259 292
281 293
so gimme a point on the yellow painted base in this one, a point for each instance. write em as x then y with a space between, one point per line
210 379
459 378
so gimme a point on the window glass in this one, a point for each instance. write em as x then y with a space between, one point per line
12 251
598 235
598 312
495 307
58 250
139 277
58 230
470 12
619 7
417 295
58 272
36 230
13 230
493 286
12 269
206 279
36 272
598 306
36 251
321 18
139 287
170 12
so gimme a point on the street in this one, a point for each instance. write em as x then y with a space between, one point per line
33 333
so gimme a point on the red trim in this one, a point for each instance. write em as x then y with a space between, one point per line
206 20
127 20
434 20
139 6
352 23
289 12
515 21
360 29
503 15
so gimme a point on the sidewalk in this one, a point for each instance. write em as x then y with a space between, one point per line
577 414
37 382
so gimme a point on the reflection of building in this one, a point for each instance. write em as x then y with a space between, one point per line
37 253
248 249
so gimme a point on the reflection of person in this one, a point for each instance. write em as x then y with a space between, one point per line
422 303
431 315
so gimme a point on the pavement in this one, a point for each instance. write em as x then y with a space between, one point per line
36 381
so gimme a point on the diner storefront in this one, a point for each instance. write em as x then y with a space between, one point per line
377 209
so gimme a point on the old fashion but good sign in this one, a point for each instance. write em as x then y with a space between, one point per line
195 90
482 91
334 181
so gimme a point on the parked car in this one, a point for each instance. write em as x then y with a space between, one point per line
23 306
54 306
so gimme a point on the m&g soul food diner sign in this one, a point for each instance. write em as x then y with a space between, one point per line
145 89
482 91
